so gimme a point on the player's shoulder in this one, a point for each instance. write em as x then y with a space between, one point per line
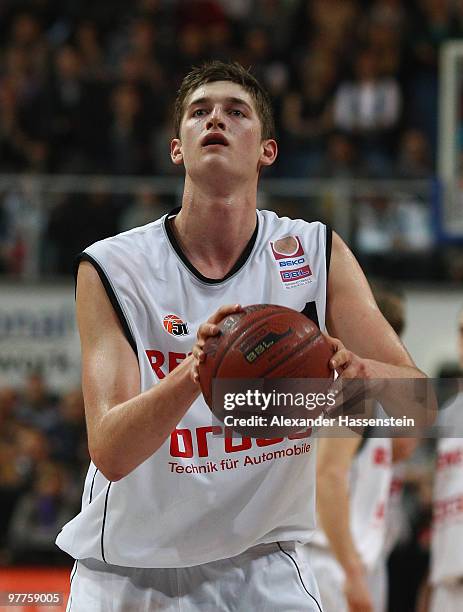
143 239
272 223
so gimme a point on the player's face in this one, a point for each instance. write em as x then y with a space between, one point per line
220 134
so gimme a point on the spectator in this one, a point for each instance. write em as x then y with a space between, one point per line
12 486
38 517
341 159
31 448
37 405
26 33
414 156
88 45
128 132
68 438
307 118
368 107
66 110
24 217
392 225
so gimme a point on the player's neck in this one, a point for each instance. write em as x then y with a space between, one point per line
214 229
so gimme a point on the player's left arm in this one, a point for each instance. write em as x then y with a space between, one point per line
365 345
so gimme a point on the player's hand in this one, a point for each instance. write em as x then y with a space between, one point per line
358 379
347 364
357 594
206 330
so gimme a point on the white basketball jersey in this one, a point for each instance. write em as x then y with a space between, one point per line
203 495
447 531
369 486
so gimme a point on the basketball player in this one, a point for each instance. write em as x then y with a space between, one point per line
176 513
447 532
347 552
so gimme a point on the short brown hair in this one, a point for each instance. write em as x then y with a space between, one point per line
209 72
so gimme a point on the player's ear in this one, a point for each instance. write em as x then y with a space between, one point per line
269 152
176 154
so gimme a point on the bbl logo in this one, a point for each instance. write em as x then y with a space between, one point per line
175 326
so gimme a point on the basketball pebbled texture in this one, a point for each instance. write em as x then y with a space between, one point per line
265 341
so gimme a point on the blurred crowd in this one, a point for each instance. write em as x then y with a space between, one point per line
88 87
43 460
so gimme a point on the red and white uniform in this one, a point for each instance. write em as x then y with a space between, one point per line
447 532
204 495
369 488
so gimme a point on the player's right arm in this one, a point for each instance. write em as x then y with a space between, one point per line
124 425
334 460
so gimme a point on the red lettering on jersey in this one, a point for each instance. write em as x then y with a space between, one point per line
381 456
175 359
201 438
245 443
185 435
156 359
397 484
380 511
447 508
450 458
232 444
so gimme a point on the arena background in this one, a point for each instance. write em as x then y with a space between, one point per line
368 105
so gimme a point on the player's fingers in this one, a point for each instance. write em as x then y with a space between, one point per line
341 359
205 330
198 353
335 343
223 312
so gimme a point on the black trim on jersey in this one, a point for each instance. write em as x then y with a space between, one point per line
310 311
104 522
73 573
210 281
328 244
299 574
91 488
365 435
112 296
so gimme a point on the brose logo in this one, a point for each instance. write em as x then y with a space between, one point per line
175 326
291 262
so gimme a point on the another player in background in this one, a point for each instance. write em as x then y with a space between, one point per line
354 478
447 534
168 522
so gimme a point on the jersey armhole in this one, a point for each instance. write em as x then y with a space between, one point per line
328 243
110 293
